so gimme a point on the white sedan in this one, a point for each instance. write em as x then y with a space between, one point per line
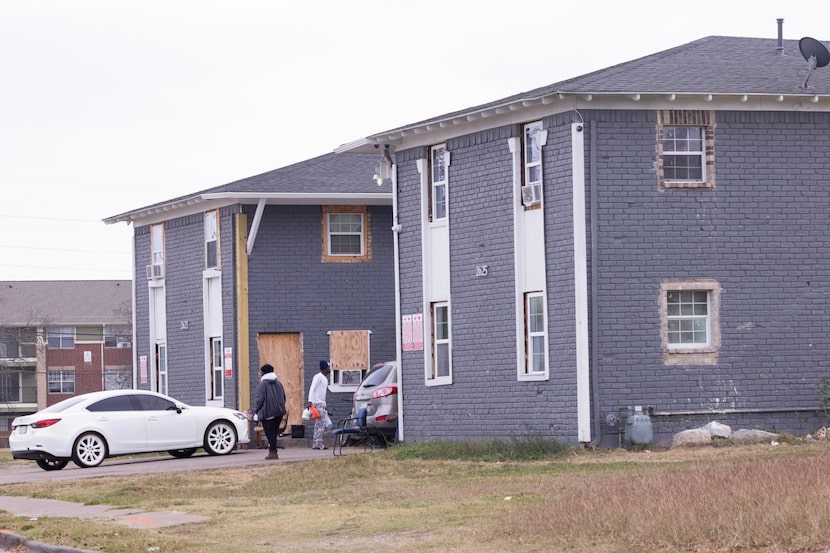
88 428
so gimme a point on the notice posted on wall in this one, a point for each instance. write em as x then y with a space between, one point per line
228 363
412 332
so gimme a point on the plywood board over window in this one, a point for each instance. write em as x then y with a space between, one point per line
349 351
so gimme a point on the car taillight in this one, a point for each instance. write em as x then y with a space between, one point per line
44 423
384 392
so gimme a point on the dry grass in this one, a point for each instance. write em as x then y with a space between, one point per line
738 499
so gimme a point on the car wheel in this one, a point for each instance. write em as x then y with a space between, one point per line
90 450
182 453
52 464
220 438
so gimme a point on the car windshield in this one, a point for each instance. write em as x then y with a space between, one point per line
378 376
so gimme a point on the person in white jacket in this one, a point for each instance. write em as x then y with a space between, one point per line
317 397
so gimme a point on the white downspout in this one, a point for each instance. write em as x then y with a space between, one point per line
583 383
133 315
396 229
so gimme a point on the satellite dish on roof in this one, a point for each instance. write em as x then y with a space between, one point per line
815 53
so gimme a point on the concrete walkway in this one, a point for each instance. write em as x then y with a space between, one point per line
34 507
292 450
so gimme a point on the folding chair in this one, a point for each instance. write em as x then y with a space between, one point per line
353 426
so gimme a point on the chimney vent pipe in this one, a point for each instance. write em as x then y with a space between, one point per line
780 49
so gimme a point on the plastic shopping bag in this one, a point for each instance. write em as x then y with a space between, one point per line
306 414
315 414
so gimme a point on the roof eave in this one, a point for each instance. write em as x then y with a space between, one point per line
566 100
219 199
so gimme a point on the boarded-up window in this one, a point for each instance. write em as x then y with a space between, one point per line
349 351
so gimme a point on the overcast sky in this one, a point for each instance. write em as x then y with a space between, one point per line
109 105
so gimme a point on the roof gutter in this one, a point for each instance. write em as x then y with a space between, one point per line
566 99
226 198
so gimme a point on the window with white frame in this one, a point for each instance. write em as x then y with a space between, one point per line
683 154
60 337
690 321
211 240
532 160
688 318
61 381
217 383
161 368
438 183
535 334
346 234
441 343
686 145
157 248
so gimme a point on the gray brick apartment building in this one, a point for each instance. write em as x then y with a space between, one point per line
291 267
652 234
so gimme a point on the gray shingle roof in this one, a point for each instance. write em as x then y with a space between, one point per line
65 302
711 65
329 174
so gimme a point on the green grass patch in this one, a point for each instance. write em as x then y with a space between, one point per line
524 448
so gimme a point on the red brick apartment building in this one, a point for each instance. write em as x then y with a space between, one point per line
59 339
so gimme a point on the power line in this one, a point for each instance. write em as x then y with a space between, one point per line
6 216
120 252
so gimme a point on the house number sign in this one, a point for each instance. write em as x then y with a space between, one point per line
481 270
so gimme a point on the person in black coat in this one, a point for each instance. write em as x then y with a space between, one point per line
269 408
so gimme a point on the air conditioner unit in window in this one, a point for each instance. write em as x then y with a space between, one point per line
154 272
123 345
532 194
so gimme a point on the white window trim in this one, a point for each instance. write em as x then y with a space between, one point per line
62 336
435 221
211 219
435 286
63 373
528 265
157 245
527 166
430 345
527 373
163 374
361 234
700 154
336 386
218 368
699 119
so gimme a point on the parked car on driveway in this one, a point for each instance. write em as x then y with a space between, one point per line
378 392
88 428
